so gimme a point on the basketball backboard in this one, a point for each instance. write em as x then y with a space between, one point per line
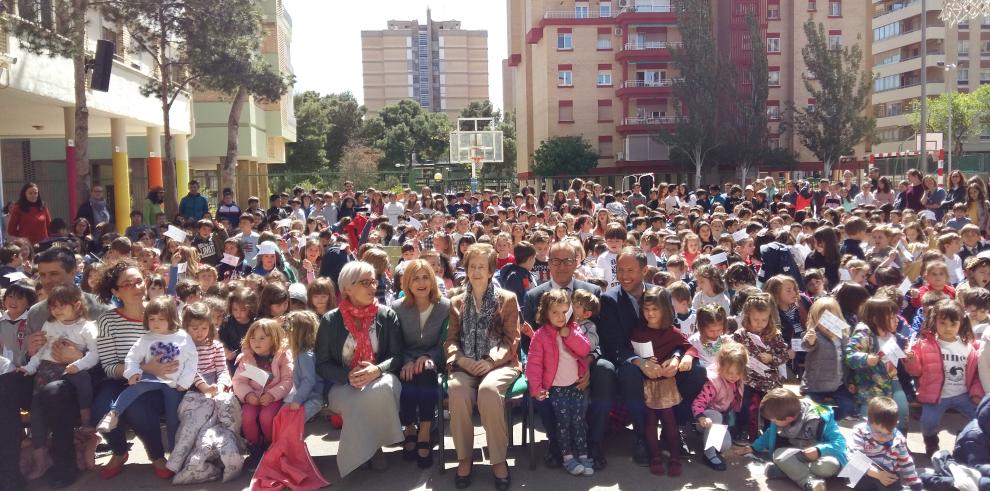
933 142
475 140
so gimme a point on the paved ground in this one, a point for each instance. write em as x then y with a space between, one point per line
622 473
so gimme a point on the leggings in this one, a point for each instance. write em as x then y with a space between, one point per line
418 401
669 431
749 413
257 422
569 407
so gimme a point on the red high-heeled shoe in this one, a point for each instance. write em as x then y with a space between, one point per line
109 472
163 473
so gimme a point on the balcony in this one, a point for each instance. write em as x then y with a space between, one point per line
647 12
910 90
647 51
576 17
647 88
907 38
574 14
909 64
903 10
646 124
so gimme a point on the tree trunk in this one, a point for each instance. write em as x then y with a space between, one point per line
81 136
168 164
827 171
743 170
233 131
697 172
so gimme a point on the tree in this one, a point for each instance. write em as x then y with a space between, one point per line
233 65
346 117
59 30
504 123
966 114
482 109
700 92
312 127
564 156
841 91
749 119
403 128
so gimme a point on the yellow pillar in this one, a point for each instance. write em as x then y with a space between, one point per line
263 182
181 164
121 174
242 182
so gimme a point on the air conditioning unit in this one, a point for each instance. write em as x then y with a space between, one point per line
617 31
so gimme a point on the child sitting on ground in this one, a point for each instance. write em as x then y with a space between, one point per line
710 337
803 440
721 397
879 439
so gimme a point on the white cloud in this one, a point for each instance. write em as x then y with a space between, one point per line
326 37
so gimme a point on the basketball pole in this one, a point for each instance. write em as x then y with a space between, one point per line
475 160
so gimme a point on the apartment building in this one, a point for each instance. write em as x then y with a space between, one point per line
438 64
602 69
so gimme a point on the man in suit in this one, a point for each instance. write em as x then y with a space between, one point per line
563 263
618 375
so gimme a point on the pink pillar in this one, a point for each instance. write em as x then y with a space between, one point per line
71 172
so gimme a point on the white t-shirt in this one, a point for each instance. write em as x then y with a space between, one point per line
393 211
954 355
250 243
81 333
606 263
567 366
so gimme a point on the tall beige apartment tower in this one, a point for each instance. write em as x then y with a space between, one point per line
437 64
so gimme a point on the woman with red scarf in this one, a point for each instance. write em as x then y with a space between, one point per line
359 350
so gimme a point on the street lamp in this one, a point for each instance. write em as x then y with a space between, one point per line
945 81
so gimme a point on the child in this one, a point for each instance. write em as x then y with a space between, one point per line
10 262
671 353
17 299
803 440
307 388
615 239
166 343
710 337
825 370
503 248
711 288
586 307
944 362
972 244
976 301
949 245
855 230
959 218
236 248
686 315
879 439
212 376
760 334
791 313
263 348
872 375
517 277
936 275
321 296
67 322
241 311
557 359
977 270
721 397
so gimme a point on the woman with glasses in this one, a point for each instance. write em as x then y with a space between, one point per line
482 356
359 350
119 329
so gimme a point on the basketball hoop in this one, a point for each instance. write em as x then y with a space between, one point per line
956 11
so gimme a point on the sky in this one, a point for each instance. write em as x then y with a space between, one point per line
326 37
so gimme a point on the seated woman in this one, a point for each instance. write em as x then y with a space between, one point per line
423 314
358 350
482 358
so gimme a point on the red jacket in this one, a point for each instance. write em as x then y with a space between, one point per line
31 225
354 230
541 366
927 366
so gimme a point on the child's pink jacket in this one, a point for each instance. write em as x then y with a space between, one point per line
927 366
541 366
279 384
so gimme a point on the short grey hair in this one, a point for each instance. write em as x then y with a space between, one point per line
351 275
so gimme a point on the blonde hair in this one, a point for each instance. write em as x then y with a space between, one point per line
303 325
412 269
822 305
732 355
272 328
761 302
775 286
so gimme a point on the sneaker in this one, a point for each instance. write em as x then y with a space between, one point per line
774 472
108 423
574 467
814 485
589 465
715 461
741 441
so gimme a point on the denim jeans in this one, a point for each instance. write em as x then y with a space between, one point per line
845 403
170 395
931 414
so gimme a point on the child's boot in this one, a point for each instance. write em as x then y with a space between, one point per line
656 465
40 463
931 445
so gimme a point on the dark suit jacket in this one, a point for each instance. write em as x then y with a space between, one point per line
427 341
616 322
532 301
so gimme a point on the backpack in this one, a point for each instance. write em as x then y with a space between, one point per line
777 259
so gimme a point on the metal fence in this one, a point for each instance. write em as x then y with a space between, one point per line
449 180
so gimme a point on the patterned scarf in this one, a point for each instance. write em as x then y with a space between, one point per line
358 322
479 325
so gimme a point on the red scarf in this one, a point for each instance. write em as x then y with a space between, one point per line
358 322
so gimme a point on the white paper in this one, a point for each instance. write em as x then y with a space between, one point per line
256 374
796 344
844 275
833 324
175 233
905 286
181 267
739 235
857 467
6 366
643 350
718 258
905 253
301 244
414 223
716 436
285 222
757 366
230 259
960 274
891 351
8 353
15 276
757 340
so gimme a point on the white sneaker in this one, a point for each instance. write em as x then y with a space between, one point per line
108 423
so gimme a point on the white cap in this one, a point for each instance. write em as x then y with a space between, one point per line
267 248
929 214
297 291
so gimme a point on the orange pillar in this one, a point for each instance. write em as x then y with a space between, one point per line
155 178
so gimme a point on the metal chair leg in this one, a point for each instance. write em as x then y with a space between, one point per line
440 423
532 432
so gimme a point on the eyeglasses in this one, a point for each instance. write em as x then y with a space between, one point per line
368 283
131 284
562 262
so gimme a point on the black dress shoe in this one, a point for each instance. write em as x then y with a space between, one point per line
427 461
600 462
503 483
462 482
409 452
641 455
552 460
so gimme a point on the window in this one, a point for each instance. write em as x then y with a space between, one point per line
887 83
565 112
773 43
834 8
835 40
605 9
604 78
891 58
984 76
984 47
773 11
962 76
747 43
963 47
985 20
565 78
810 106
581 10
604 41
811 6
605 112
985 133
773 111
887 31
773 78
107 34
565 41
605 147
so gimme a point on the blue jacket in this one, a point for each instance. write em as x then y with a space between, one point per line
513 277
832 443
305 384
617 318
194 206
973 442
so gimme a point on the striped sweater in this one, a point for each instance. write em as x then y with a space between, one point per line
116 335
212 359
891 456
